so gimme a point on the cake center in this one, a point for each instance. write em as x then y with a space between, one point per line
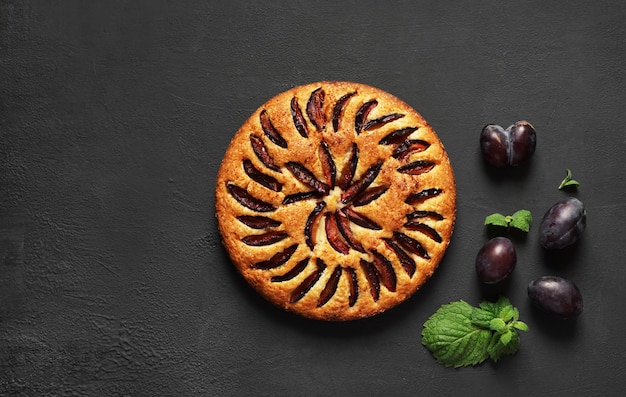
333 200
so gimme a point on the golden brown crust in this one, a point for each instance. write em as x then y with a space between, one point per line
316 242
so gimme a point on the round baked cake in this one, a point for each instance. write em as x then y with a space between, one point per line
336 201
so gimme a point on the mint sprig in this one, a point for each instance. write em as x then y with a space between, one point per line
568 181
521 220
460 335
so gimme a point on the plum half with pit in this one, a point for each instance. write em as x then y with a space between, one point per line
509 147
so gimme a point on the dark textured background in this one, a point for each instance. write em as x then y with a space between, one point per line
114 117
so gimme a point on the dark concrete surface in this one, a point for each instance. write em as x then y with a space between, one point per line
114 117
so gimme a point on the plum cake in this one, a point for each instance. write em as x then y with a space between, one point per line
336 201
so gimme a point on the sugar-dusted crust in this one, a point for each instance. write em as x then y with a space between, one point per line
336 201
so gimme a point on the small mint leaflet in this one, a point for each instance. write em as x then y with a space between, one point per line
495 308
505 338
502 305
497 324
508 313
521 220
568 181
521 326
498 349
496 220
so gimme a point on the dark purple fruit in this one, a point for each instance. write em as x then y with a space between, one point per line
315 109
510 147
563 224
496 260
556 296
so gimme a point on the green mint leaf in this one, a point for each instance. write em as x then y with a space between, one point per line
568 181
508 313
571 183
498 349
494 349
496 220
505 338
481 318
459 334
502 305
490 307
452 338
522 220
497 324
496 308
520 325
